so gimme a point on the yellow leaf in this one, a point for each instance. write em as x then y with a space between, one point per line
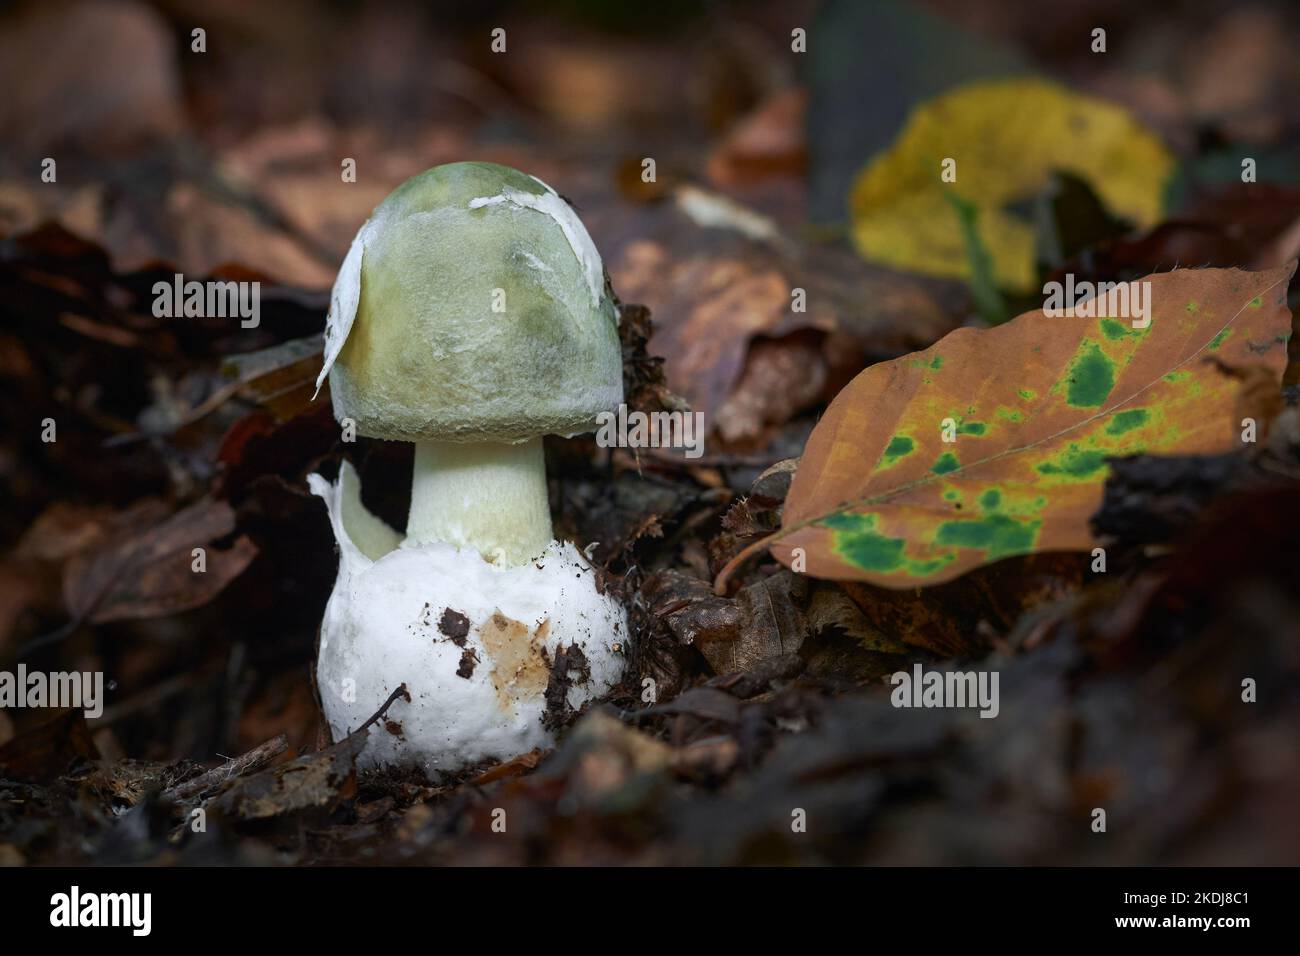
1007 137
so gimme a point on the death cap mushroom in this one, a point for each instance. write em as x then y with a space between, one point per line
472 307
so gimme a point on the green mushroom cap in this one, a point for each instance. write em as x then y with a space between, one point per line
472 307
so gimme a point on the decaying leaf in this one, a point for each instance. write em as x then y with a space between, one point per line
149 569
764 621
1006 138
1034 408
311 782
603 755
65 68
279 378
713 291
48 749
1159 499
771 140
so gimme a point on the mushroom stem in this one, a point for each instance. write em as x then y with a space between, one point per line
490 496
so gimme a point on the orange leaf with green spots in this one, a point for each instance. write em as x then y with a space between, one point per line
1034 408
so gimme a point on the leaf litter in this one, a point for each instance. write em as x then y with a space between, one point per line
739 708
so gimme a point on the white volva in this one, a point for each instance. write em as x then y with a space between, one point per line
477 676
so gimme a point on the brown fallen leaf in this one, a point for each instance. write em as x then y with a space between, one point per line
704 703
49 749
602 754
318 781
1259 400
313 783
712 291
282 378
761 623
1239 74
101 76
150 572
993 443
30 577
211 233
782 378
587 81
769 141
219 777
772 626
294 170
515 767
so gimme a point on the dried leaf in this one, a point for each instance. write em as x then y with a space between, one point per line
151 573
99 76
319 781
1037 406
48 750
713 291
781 379
281 378
602 755
772 627
769 141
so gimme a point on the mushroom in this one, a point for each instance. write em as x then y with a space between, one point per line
470 317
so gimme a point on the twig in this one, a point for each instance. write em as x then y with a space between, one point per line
722 584
400 692
255 759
